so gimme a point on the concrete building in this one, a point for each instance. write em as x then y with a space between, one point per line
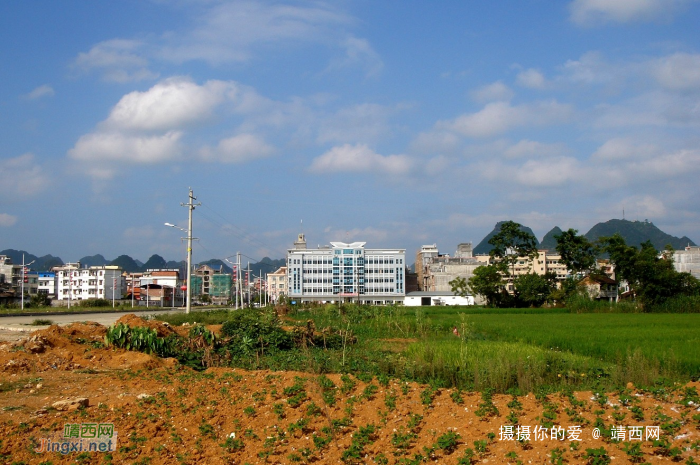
601 287
424 257
277 284
13 280
688 260
48 284
212 282
160 288
436 298
345 272
438 270
95 282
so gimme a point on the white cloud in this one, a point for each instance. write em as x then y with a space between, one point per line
234 32
228 32
591 68
102 153
22 176
655 109
641 207
7 220
499 117
358 53
359 158
170 104
437 165
624 149
41 91
551 172
666 166
530 148
531 78
680 71
238 149
119 60
596 12
140 233
496 91
366 122
438 141
368 234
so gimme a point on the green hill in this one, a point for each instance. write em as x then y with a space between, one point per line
155 262
548 241
40 263
94 260
636 232
127 263
483 248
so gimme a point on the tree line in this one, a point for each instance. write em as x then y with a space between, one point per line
649 273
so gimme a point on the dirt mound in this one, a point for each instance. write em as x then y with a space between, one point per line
79 346
163 329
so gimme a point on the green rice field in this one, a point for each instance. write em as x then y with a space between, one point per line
527 348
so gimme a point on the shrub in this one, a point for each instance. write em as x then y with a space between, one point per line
253 329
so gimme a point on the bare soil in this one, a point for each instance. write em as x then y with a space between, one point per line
166 413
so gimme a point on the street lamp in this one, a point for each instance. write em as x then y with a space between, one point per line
235 271
189 262
24 275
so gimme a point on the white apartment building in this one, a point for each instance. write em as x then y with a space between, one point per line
345 272
277 284
96 282
47 284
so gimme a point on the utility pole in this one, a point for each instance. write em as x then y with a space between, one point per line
190 207
24 276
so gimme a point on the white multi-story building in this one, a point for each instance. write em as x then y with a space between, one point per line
277 284
688 260
47 284
345 272
96 282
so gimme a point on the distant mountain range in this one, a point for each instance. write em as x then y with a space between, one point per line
634 232
130 265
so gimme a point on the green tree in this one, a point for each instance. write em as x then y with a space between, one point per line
488 282
650 275
510 244
532 289
577 252
39 300
459 286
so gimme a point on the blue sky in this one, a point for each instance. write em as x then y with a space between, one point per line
398 123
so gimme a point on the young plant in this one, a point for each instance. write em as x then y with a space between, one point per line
486 408
447 442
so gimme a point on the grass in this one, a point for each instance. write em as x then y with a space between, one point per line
527 348
499 348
